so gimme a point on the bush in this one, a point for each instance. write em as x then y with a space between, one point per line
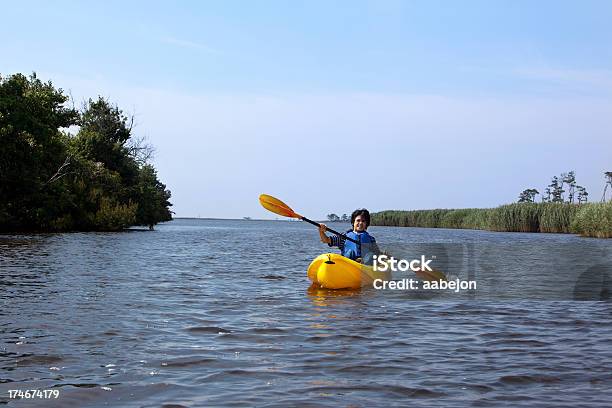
112 216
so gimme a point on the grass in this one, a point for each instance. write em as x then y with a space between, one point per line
590 220
593 220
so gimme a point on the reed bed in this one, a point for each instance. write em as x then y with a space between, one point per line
592 220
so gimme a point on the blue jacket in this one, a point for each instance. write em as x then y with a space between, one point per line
350 249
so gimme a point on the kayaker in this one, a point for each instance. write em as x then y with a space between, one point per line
360 220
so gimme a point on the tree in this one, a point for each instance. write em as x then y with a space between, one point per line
333 217
103 137
570 180
528 195
546 198
106 121
31 150
152 198
608 175
556 190
582 196
345 218
98 179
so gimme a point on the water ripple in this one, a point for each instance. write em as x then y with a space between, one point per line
196 314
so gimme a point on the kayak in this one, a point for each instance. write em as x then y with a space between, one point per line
334 271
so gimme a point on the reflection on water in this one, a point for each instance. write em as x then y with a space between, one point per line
327 297
209 313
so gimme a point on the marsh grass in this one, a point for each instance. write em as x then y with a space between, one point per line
592 220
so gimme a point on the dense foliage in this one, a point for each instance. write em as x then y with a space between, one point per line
53 180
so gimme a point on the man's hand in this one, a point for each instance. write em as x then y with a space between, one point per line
324 238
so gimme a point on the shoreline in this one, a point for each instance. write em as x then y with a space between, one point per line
588 220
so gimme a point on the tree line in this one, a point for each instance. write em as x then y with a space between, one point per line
338 218
559 185
96 178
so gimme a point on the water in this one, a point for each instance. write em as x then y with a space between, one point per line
218 313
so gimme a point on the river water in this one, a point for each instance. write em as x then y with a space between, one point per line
219 313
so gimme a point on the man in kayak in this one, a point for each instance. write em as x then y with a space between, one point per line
360 220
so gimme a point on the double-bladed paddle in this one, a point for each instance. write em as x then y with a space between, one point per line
278 207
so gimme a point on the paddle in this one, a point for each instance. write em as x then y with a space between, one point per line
278 207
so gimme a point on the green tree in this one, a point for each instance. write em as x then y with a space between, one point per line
103 137
152 198
556 190
98 179
528 195
570 180
120 182
582 196
32 151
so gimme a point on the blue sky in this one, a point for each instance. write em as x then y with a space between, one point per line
336 105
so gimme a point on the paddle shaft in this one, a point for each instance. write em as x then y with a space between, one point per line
330 230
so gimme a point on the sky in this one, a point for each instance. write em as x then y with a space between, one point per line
331 106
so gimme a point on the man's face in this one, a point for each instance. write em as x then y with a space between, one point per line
360 224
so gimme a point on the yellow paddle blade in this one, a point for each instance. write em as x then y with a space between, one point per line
277 206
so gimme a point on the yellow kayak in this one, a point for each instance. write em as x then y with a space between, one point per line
333 271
